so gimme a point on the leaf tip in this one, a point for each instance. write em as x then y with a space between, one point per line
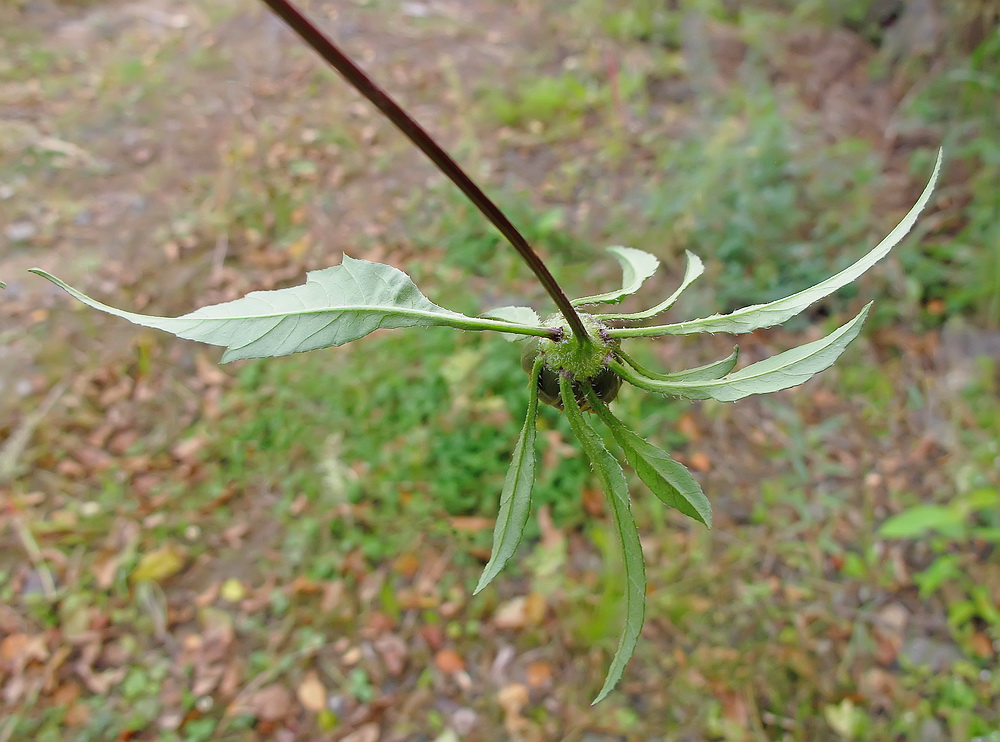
602 695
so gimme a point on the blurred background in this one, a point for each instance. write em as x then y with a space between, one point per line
285 549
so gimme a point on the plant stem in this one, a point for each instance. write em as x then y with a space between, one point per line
323 46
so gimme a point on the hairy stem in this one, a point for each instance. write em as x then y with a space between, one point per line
323 46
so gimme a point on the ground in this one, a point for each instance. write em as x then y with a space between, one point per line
286 549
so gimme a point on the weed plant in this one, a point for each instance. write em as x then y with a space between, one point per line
575 359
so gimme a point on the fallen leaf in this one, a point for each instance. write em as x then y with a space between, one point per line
539 674
303 585
368 733
449 661
734 709
312 693
407 564
209 372
159 564
472 524
17 650
392 650
892 619
188 449
433 634
77 715
271 703
688 427
981 645
520 612
512 699
592 501
700 461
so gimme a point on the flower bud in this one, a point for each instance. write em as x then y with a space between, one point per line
604 381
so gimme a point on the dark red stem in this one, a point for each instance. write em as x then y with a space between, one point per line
426 144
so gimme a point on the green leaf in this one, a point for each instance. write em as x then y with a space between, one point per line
637 266
756 316
616 490
693 270
923 520
518 315
3 285
714 370
669 480
515 499
335 306
944 568
782 371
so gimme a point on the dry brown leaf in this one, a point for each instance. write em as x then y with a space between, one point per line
77 715
433 634
368 733
449 661
981 645
519 612
209 372
407 564
892 619
392 650
512 699
18 650
688 427
472 524
734 709
312 693
700 461
539 674
271 703
592 501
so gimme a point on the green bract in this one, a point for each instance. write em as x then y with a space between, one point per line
577 374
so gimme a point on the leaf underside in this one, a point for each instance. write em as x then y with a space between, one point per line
756 316
637 267
616 490
335 306
692 271
669 480
714 370
518 315
781 371
515 499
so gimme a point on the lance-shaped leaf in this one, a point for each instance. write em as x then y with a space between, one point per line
518 315
714 370
515 499
782 371
669 480
3 285
616 490
637 266
692 271
756 316
335 306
